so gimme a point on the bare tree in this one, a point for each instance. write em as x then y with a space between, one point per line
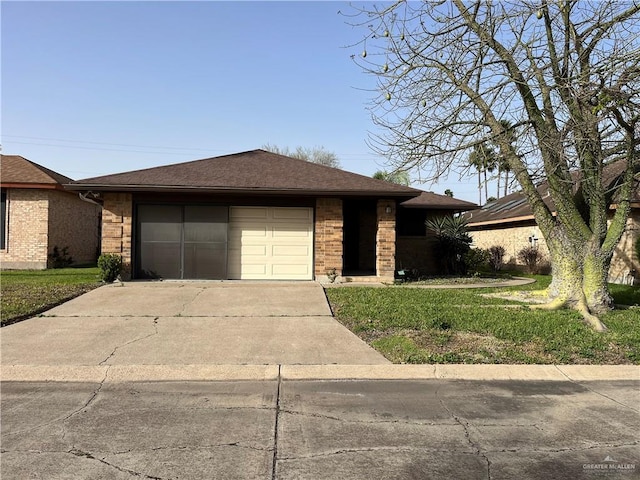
314 155
565 74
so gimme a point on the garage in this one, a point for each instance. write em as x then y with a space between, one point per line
182 241
270 243
220 242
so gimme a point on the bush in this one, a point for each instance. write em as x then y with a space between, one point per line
110 266
531 258
453 242
476 260
496 257
60 258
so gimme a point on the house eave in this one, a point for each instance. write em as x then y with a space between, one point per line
33 186
238 190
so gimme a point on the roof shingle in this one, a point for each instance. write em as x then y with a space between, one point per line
253 171
15 169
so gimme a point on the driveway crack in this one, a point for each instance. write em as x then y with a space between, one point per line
188 302
155 332
81 454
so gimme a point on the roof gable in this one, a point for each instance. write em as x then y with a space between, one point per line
15 169
253 171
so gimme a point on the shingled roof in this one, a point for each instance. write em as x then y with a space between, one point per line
515 207
18 172
434 201
255 171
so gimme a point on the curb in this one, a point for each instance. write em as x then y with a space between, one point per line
157 373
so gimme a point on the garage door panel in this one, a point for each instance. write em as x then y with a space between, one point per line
239 213
289 213
288 231
285 270
283 250
290 250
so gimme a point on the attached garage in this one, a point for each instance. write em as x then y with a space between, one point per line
273 243
220 242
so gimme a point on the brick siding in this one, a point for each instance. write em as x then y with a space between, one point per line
117 227
40 219
386 240
417 252
75 224
515 239
328 237
26 227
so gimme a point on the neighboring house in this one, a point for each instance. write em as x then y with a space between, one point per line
259 215
509 222
38 215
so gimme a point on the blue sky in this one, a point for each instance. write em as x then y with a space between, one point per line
91 88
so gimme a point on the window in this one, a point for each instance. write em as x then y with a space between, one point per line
3 220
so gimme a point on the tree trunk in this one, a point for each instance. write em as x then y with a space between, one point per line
506 182
580 279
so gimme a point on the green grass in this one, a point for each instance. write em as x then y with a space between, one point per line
411 325
26 293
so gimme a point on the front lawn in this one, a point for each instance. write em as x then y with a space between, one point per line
28 292
416 325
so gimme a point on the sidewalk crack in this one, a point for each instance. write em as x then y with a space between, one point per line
275 429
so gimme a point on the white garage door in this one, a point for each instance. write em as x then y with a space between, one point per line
270 243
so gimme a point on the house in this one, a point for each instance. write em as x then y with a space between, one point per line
509 222
39 215
256 215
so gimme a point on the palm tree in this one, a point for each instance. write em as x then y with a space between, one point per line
483 158
503 165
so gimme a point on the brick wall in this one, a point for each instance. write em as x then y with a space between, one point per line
328 237
27 218
512 239
624 256
75 224
516 238
116 227
386 240
417 252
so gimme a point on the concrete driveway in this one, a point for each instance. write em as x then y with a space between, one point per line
188 323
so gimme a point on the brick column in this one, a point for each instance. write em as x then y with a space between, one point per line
116 228
328 238
386 240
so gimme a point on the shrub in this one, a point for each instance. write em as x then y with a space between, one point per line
110 265
60 258
496 257
531 258
453 241
476 260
